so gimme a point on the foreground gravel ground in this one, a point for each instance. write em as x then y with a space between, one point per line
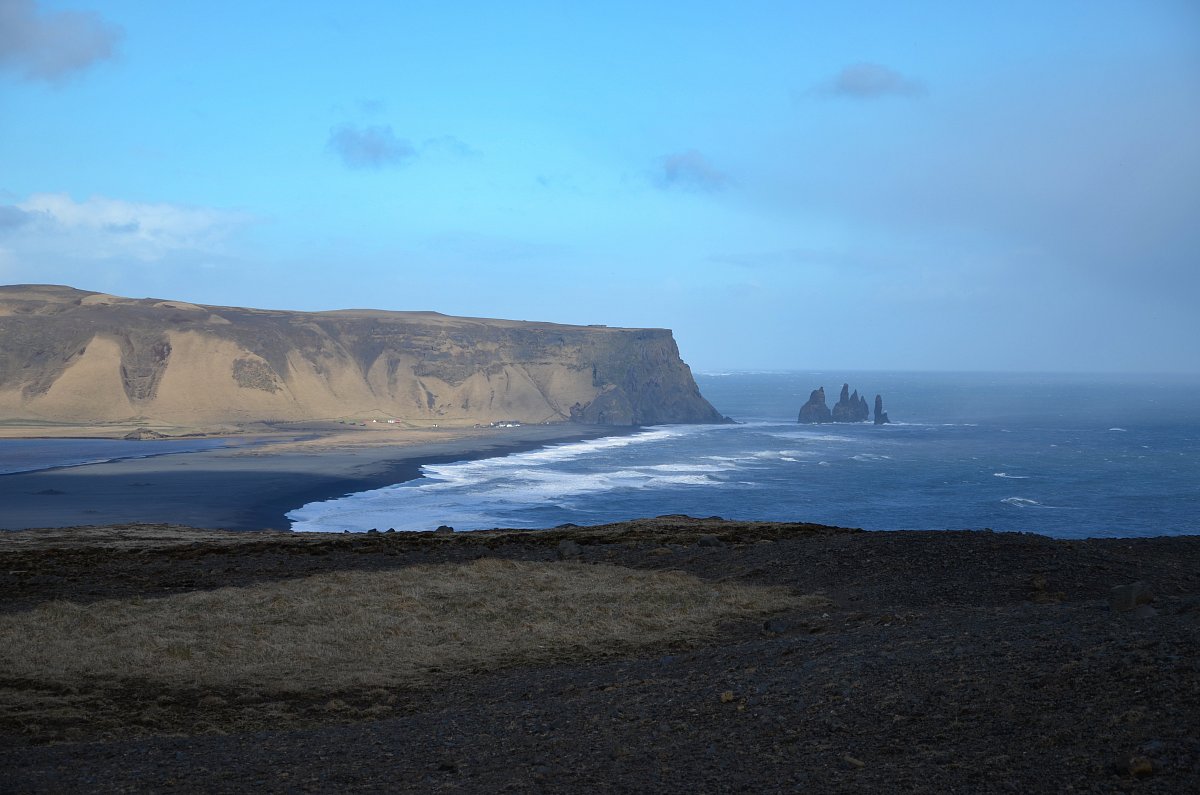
950 661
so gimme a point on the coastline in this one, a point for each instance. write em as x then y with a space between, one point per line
252 485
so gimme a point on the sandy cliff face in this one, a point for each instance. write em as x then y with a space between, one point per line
74 356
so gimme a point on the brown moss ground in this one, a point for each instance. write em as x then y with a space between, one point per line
341 630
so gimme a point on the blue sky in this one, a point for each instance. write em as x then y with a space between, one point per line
932 186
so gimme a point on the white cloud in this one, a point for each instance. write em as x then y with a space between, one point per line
50 46
54 225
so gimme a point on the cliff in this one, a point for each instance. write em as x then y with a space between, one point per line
75 356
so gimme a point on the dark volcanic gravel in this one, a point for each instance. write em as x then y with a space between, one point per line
951 661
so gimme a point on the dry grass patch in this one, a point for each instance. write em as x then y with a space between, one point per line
367 629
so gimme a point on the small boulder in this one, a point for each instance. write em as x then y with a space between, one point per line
444 529
569 550
710 541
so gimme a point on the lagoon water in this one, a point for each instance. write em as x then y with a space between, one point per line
31 455
1066 456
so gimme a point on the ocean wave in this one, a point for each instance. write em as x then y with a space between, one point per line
871 457
1022 502
1120 430
468 496
930 425
1009 477
811 436
461 472
779 455
573 450
687 468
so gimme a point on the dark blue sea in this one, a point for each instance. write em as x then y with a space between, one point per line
1065 456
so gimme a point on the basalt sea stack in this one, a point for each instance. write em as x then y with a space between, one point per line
74 356
881 417
815 409
851 407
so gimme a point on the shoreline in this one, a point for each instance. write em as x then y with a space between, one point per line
252 486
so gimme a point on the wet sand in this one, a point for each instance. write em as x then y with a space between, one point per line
252 484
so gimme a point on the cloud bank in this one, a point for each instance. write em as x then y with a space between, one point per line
52 46
369 147
47 226
689 170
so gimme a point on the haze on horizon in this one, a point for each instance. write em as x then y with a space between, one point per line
938 186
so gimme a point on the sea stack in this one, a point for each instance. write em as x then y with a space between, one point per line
850 407
815 409
881 417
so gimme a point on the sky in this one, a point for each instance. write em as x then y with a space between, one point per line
795 185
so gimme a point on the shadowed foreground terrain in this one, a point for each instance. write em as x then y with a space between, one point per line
672 654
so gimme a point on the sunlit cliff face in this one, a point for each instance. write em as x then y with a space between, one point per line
73 356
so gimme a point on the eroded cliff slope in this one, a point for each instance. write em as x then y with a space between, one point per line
70 355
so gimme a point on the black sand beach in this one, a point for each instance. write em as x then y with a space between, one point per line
247 487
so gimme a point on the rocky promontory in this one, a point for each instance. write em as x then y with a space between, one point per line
80 357
851 407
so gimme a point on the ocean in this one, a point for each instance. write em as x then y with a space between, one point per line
1069 456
